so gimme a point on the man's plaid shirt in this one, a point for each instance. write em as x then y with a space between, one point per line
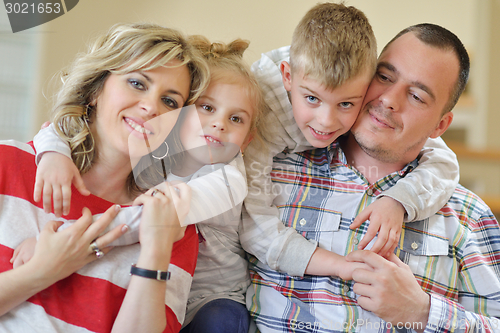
454 255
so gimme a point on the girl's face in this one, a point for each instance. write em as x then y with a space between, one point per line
128 101
221 122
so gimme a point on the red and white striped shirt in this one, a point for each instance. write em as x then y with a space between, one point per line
88 300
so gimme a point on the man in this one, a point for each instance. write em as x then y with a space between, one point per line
445 273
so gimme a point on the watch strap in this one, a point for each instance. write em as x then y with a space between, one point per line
150 274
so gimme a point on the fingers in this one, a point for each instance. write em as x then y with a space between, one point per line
45 124
368 257
66 200
181 191
112 235
57 201
52 226
93 230
362 217
395 259
47 198
370 234
81 225
391 243
80 185
14 256
37 192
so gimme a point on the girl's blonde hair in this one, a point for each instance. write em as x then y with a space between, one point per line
125 48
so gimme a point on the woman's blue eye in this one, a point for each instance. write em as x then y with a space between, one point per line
136 84
170 102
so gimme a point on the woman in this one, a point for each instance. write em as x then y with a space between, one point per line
130 75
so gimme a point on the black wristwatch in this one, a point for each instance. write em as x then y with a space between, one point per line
150 274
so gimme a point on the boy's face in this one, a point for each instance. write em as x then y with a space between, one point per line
323 114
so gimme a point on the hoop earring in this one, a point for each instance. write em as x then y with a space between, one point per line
87 112
161 157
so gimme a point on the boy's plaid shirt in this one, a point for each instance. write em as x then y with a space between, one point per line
455 254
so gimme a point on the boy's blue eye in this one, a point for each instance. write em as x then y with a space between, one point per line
170 102
312 99
346 105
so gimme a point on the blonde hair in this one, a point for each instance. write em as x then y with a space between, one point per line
125 48
226 64
332 44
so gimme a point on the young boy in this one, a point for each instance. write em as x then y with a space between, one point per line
315 89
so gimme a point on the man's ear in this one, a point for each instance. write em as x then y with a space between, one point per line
286 75
443 125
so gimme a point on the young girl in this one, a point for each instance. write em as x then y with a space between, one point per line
208 158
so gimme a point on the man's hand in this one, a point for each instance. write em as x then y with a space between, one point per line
390 290
386 217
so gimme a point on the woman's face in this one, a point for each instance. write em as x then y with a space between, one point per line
128 101
221 122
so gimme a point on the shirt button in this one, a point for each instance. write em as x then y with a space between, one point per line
302 222
414 246
355 241
369 192
345 289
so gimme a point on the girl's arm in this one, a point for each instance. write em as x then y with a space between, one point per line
215 190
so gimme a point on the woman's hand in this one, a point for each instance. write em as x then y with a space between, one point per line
164 207
59 254
56 256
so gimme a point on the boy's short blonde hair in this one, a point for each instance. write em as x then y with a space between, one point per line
333 43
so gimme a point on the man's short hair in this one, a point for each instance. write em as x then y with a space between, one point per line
332 44
441 38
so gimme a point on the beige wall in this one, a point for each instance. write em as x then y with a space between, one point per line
267 24
494 79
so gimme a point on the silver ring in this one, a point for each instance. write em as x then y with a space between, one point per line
156 191
99 254
94 247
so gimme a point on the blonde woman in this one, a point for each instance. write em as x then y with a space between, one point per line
73 283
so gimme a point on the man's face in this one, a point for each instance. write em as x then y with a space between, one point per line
405 100
324 114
